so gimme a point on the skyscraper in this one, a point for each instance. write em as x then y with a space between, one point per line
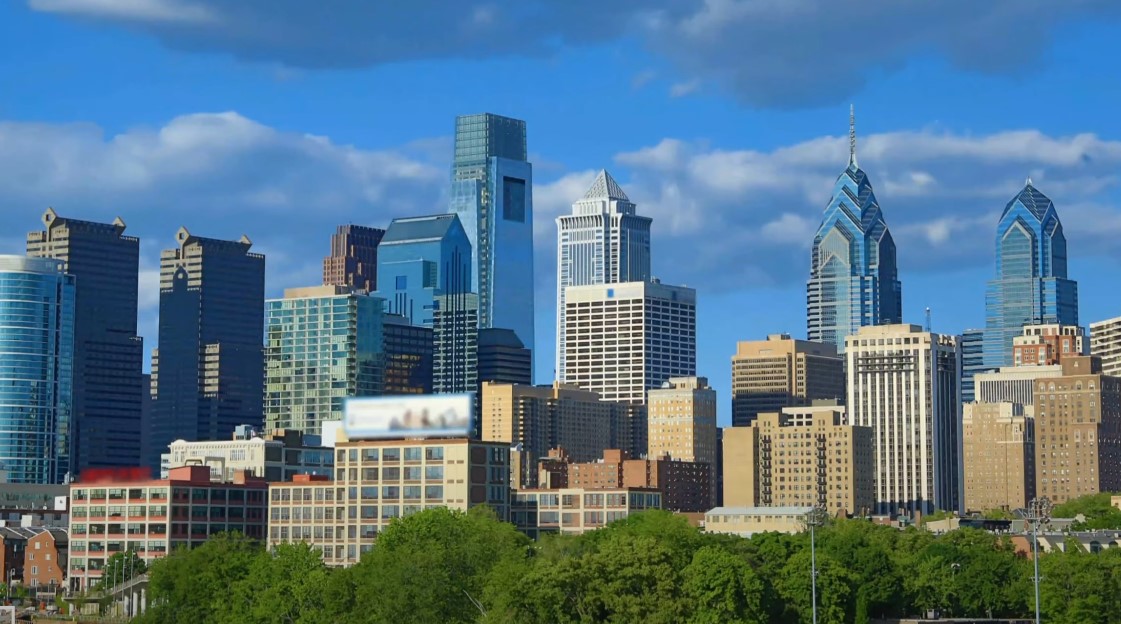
108 355
603 241
503 358
768 375
324 344
972 361
624 339
681 423
37 304
408 356
354 258
492 185
903 384
1031 285
208 372
853 277
455 334
420 258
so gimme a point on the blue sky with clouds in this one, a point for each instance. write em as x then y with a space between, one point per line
725 120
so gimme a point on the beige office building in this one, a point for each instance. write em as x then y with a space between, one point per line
1105 342
1078 431
574 511
681 423
624 339
768 375
905 384
379 480
1012 384
802 457
747 521
540 418
999 455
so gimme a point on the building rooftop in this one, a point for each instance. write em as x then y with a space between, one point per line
759 511
413 229
605 187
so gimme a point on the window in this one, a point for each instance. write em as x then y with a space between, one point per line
402 282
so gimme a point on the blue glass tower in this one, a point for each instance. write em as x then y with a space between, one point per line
853 281
972 361
37 302
1031 285
492 184
420 258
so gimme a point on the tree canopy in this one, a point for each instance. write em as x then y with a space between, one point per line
449 566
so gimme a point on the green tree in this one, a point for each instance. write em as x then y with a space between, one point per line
835 589
122 567
1098 510
287 586
192 586
722 588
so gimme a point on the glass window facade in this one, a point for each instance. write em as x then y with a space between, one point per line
36 368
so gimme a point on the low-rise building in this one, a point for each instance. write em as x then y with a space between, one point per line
376 481
152 518
747 521
277 456
684 485
47 556
576 510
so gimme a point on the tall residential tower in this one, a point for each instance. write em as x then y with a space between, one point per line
853 277
603 241
108 355
492 184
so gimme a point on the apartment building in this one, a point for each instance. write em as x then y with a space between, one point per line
376 481
681 424
999 455
276 456
768 375
1105 342
574 511
685 485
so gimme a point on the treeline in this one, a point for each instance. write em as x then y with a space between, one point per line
448 566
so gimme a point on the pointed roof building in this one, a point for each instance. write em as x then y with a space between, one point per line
605 187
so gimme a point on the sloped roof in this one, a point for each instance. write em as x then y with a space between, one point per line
411 229
605 187
1036 202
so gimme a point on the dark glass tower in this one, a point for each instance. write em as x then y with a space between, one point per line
853 281
354 258
1031 285
492 192
208 373
108 355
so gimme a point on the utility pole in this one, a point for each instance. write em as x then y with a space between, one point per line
1039 512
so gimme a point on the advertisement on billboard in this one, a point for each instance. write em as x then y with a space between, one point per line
427 416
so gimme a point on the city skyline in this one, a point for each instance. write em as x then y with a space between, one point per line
732 182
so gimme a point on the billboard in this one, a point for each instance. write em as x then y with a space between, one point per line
416 416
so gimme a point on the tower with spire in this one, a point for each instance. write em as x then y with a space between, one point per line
854 280
603 241
1031 285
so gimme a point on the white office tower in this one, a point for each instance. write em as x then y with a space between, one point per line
904 383
624 339
603 241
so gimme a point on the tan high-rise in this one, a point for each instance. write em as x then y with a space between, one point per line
1105 342
1078 431
681 423
805 456
768 375
999 455
540 418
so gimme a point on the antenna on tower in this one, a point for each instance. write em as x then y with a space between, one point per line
852 136
927 327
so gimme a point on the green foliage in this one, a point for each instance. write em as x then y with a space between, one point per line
448 566
1099 512
122 567
998 514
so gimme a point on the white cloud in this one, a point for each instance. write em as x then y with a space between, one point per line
772 53
681 89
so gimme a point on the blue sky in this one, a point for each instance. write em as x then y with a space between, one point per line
725 120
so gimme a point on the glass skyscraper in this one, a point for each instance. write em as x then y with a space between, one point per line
972 361
37 302
853 281
323 344
1031 285
603 241
108 355
492 184
420 258
208 372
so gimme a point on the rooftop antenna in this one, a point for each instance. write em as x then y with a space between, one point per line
852 136
927 327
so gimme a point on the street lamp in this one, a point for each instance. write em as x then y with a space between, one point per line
815 517
1039 512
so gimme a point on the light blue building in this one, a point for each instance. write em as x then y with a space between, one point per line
420 258
322 345
603 241
853 281
36 368
492 184
1031 285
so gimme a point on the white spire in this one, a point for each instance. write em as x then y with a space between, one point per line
852 136
1028 183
